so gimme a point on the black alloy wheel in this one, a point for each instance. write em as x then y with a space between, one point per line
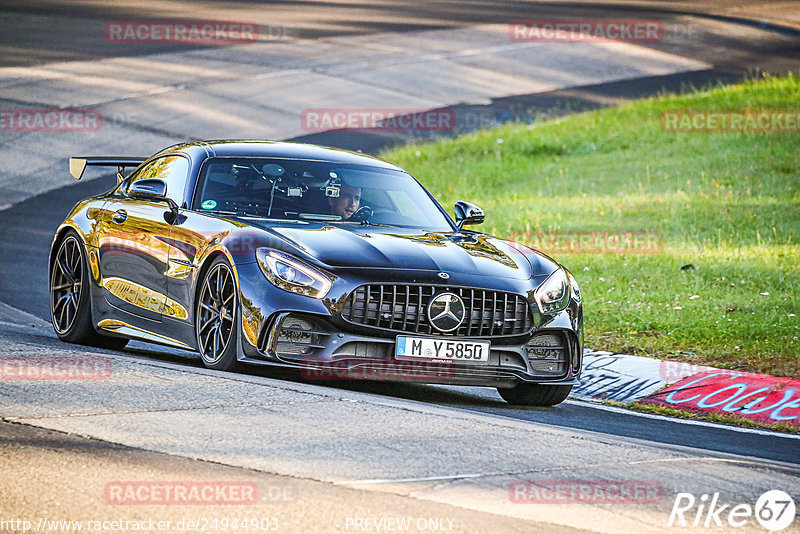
216 317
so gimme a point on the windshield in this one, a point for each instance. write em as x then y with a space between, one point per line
303 190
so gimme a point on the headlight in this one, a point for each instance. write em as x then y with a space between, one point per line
553 294
574 289
293 274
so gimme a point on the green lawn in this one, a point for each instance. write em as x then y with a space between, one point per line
727 203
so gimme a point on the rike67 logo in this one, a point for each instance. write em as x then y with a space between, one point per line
774 510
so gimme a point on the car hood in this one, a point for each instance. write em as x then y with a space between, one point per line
401 248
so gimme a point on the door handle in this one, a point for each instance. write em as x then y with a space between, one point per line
120 216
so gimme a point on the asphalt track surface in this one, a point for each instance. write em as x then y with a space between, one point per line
60 33
33 221
26 229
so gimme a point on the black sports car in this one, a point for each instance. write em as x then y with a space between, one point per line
332 262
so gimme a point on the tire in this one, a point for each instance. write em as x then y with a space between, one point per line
535 394
215 315
70 306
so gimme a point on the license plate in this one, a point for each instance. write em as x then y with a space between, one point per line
426 348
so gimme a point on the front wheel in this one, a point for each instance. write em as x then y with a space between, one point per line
535 394
215 317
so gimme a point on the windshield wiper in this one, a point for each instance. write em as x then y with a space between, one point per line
221 212
367 223
240 213
319 217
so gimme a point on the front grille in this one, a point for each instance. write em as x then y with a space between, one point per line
402 308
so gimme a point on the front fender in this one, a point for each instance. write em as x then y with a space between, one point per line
83 219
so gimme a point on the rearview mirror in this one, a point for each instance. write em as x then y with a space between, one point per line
467 213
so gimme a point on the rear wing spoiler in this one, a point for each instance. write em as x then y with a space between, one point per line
77 165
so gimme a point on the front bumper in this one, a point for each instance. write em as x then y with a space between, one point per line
309 335
321 352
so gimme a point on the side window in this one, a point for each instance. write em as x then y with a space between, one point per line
174 170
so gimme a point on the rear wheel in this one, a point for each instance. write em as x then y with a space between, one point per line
535 394
70 309
215 317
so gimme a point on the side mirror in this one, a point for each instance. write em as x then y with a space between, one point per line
154 189
148 189
467 213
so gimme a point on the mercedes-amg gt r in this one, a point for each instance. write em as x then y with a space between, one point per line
331 262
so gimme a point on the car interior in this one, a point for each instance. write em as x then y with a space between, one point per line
300 189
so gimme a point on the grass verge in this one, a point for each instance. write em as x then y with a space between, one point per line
728 204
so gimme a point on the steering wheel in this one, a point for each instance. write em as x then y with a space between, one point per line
362 214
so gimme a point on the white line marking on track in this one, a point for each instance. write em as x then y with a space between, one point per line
732 428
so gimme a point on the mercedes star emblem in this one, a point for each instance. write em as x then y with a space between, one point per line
446 312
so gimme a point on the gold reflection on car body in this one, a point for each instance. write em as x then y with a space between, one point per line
145 298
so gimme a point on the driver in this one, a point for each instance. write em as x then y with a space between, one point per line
347 203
